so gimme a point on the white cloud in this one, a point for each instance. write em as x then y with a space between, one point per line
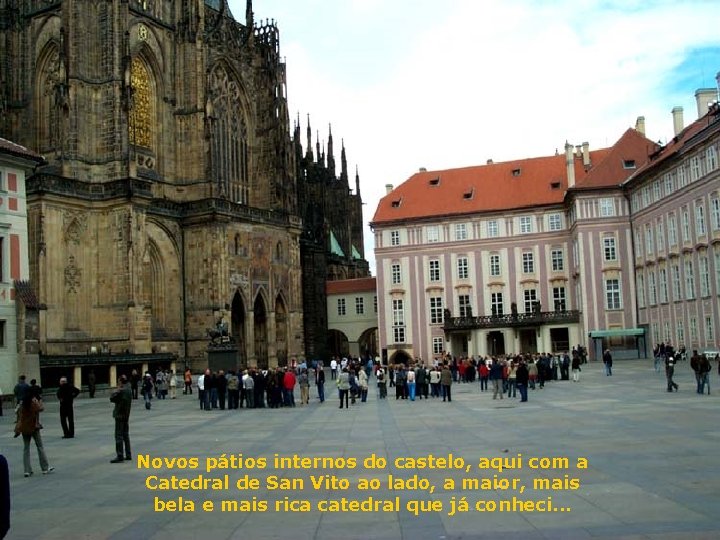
473 80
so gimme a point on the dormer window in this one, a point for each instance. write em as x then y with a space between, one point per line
469 194
396 203
435 181
516 172
629 164
555 185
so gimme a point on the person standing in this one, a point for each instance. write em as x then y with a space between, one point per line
496 376
382 384
188 382
233 388
122 398
446 380
522 376
576 368
364 384
304 382
320 381
333 368
607 360
92 383
134 383
28 425
147 390
669 372
343 384
66 394
20 388
695 366
410 377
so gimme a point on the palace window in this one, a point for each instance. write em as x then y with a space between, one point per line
462 267
436 310
613 297
496 303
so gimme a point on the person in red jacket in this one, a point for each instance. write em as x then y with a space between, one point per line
289 388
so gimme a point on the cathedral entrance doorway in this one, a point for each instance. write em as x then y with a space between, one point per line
237 318
261 351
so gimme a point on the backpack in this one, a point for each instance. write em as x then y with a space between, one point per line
380 375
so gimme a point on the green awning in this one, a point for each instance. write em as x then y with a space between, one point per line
617 332
335 248
356 253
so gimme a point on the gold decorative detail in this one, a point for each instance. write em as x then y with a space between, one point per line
142 32
141 125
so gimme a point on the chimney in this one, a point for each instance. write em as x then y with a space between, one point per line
388 189
678 122
489 162
570 164
422 169
586 154
578 150
640 125
704 97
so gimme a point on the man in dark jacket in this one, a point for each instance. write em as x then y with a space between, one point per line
66 394
522 376
122 398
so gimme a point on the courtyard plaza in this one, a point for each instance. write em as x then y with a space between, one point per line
653 471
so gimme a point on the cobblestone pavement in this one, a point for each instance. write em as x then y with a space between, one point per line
653 469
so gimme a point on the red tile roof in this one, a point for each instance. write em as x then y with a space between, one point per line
345 286
509 185
710 121
9 147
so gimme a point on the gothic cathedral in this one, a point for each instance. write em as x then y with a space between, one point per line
171 199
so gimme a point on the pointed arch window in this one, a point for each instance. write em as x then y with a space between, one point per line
142 113
229 147
50 75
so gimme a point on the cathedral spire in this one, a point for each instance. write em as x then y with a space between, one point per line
330 156
357 181
317 145
309 154
249 22
343 163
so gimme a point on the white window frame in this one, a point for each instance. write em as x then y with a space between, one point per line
396 273
613 294
559 299
436 310
434 270
607 207
497 305
464 306
672 230
669 184
438 345
700 228
394 238
495 266
660 235
689 271
704 270
555 222
359 305
432 234
557 260
649 242
676 282
652 288
492 228
640 281
715 209
398 308
529 299
662 286
526 225
609 248
709 329
463 271
341 307
528 262
461 232
685 225
711 158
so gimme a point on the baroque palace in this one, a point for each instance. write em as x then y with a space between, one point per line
616 247
174 197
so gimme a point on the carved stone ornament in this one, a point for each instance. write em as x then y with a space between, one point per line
72 276
74 226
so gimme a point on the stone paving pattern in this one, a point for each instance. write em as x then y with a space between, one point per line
653 474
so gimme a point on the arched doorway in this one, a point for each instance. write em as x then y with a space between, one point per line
337 344
368 343
261 353
400 357
281 329
237 319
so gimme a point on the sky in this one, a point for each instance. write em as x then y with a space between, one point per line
411 84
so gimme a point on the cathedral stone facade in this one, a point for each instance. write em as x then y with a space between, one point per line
170 202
